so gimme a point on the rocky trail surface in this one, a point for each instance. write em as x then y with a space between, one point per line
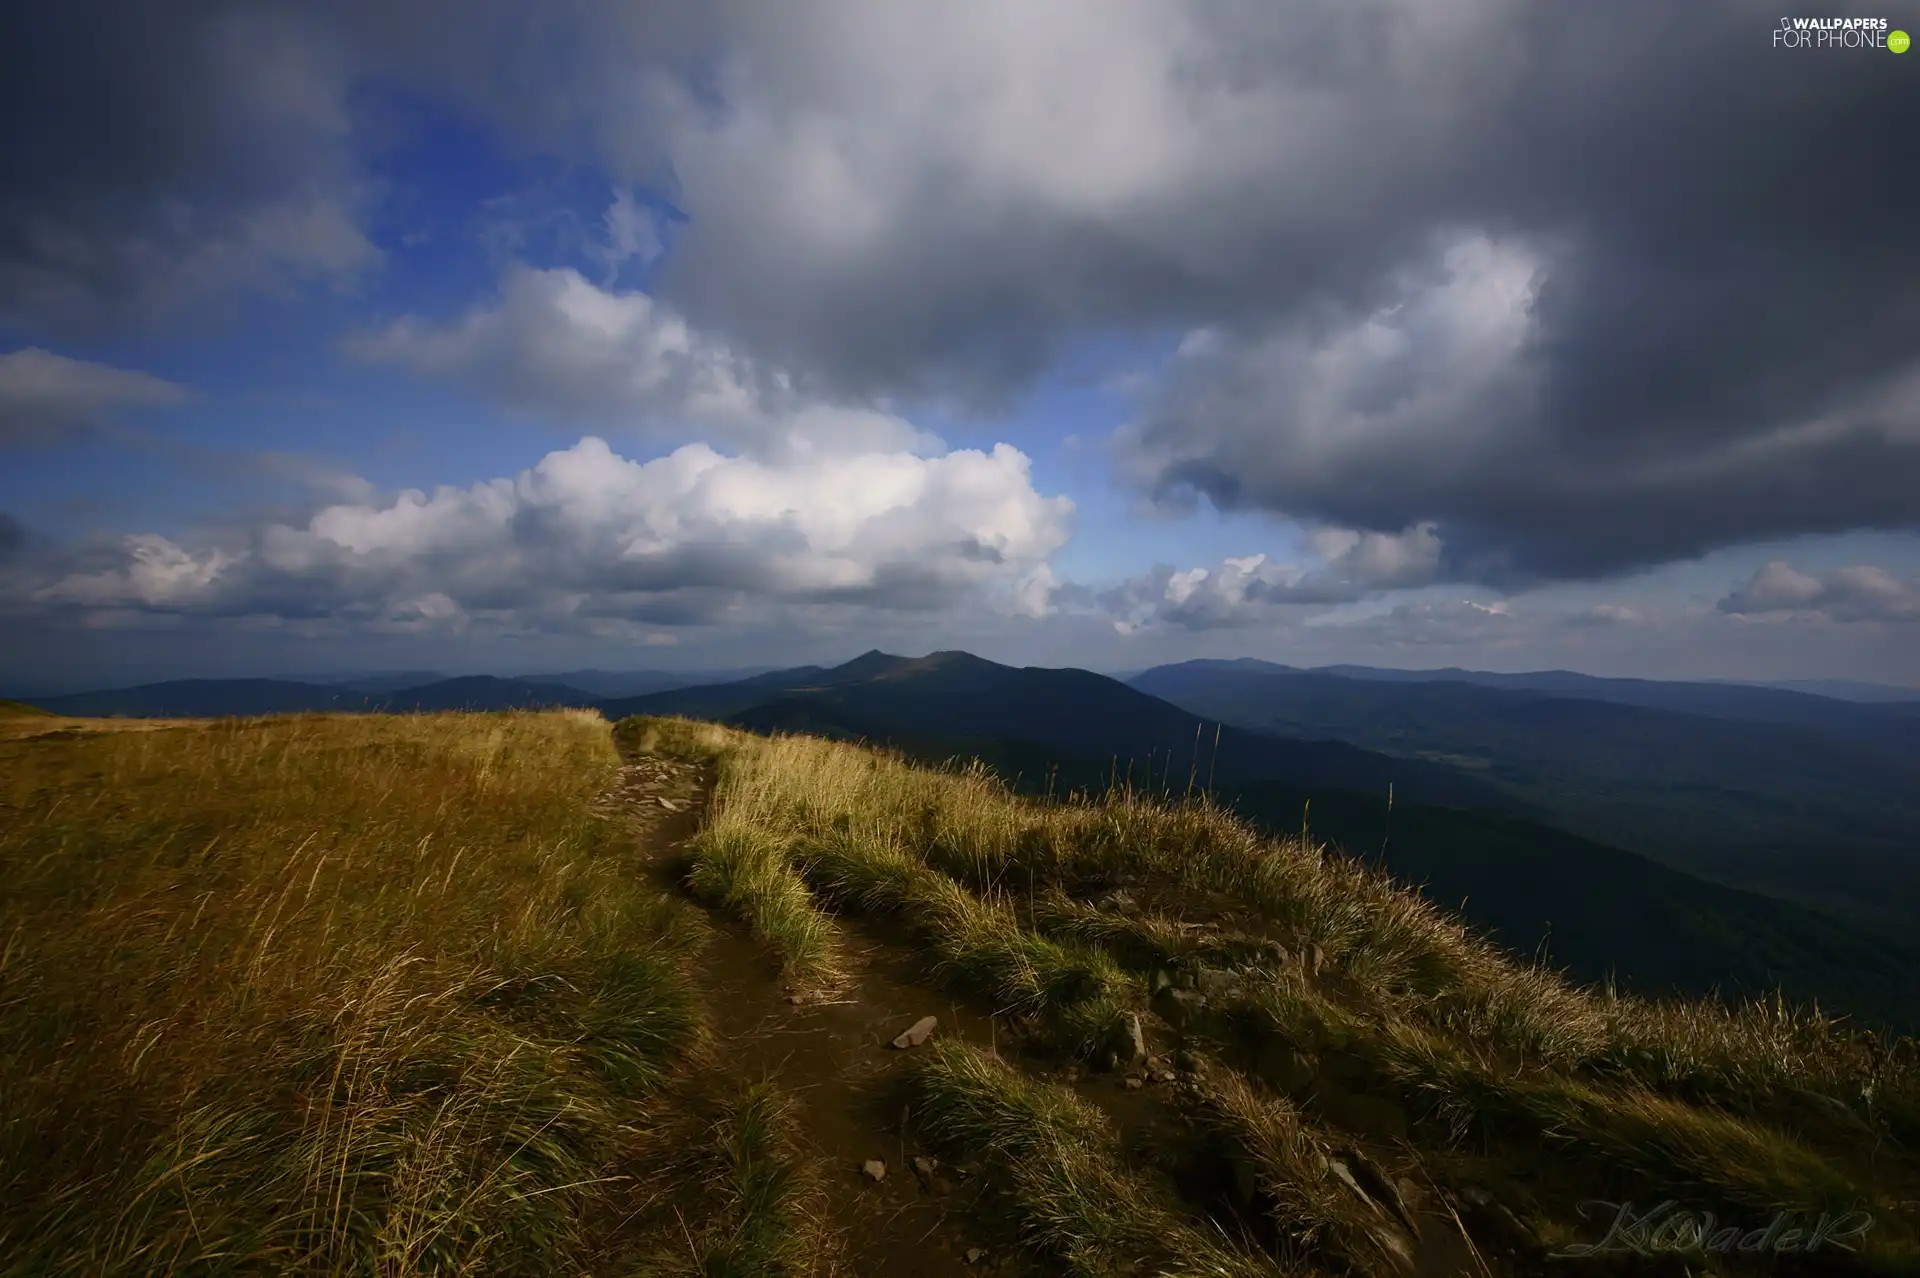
900 1210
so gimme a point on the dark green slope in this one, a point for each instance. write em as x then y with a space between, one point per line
958 697
1796 812
1595 911
1598 910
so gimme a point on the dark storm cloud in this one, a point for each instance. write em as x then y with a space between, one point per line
161 157
1585 287
1711 347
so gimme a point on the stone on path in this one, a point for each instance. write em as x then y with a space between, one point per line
917 1033
1179 1008
1129 1043
875 1169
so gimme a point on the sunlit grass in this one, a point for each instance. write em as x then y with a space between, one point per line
324 994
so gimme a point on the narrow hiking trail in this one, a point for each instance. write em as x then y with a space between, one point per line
835 1056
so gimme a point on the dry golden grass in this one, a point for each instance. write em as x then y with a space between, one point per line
325 994
392 995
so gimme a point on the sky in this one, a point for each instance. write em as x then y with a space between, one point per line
495 337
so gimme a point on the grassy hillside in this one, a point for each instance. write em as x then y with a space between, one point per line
1602 912
400 996
1598 912
350 995
1330 1032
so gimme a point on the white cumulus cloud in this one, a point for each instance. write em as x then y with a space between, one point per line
1859 593
588 537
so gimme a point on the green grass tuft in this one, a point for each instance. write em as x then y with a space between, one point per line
1075 1201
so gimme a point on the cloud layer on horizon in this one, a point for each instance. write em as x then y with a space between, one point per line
1859 592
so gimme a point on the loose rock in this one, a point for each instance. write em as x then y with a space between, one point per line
1215 983
1380 1189
1179 1008
1129 1043
973 1255
917 1033
875 1169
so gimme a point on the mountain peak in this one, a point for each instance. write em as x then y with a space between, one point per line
869 665
952 659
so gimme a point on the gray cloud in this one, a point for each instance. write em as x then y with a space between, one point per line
1858 593
1251 590
162 159
556 344
1451 270
1454 273
44 395
1444 406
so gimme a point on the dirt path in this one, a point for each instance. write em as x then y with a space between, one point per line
835 1057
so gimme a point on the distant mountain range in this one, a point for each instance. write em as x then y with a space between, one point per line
1805 797
1456 827
1844 689
394 690
1619 823
958 698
